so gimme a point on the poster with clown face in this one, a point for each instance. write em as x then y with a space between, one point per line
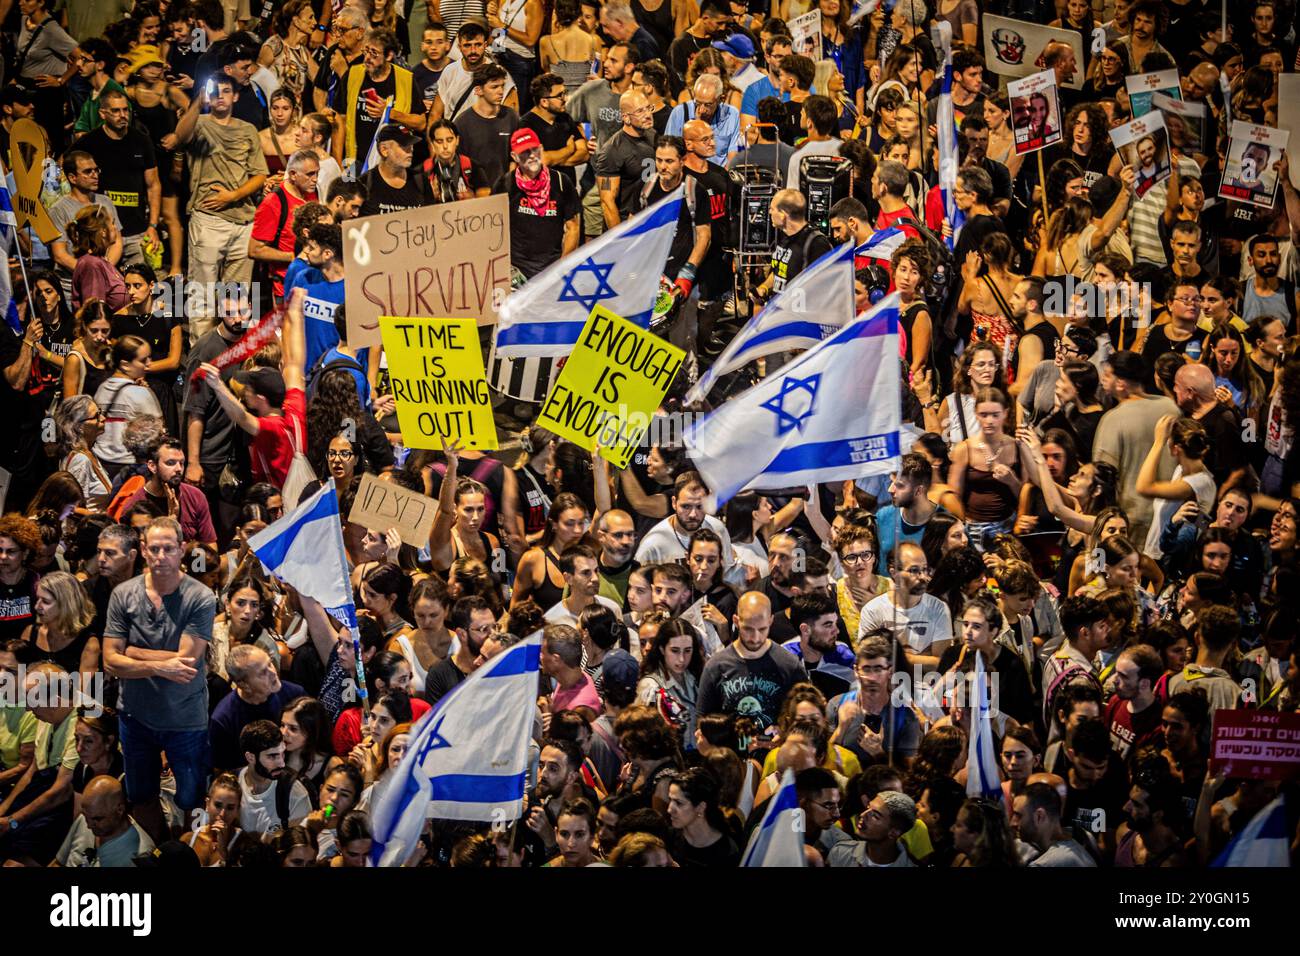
1014 48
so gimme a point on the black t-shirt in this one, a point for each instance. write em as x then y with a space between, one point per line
441 679
156 330
383 198
681 51
723 853
22 412
554 136
327 79
713 193
368 125
754 688
792 254
629 158
537 236
16 606
487 141
200 401
1227 453
1109 795
122 164
1015 697
424 81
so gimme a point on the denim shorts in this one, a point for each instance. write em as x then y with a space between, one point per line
187 755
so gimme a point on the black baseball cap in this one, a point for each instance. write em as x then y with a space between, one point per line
267 382
393 133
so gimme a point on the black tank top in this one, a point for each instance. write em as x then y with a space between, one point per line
658 23
546 594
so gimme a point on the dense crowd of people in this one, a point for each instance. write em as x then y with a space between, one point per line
1102 505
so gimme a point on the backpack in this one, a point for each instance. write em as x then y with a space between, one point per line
320 367
283 788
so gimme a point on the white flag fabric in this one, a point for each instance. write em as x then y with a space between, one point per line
813 306
467 758
8 245
620 270
305 549
778 841
982 777
882 244
1266 841
831 414
946 121
372 156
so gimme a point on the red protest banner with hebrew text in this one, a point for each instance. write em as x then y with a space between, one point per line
1255 744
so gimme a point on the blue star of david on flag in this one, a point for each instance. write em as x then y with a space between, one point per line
790 409
435 740
603 289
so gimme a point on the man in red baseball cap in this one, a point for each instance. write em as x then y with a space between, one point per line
544 207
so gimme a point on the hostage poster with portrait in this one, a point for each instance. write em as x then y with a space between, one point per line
1248 173
1144 145
1143 86
1035 112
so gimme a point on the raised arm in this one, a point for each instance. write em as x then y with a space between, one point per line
440 548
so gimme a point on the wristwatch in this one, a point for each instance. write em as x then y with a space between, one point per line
14 824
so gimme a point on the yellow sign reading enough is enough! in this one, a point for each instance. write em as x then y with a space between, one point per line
616 377
436 370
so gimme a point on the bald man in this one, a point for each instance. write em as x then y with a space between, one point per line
1199 397
624 162
104 835
750 676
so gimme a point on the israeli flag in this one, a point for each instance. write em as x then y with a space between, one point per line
1265 841
8 245
305 549
778 841
831 414
865 8
372 157
946 121
620 270
882 244
813 306
982 777
467 759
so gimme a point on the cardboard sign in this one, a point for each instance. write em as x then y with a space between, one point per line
27 151
381 505
1035 112
1255 744
1288 112
610 386
806 34
436 370
1015 48
1248 174
451 259
1185 123
1144 145
1143 86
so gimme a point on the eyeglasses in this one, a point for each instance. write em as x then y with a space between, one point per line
858 556
1189 299
335 455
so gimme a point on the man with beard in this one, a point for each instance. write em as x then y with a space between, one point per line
829 662
1267 293
784 552
1148 171
349 31
919 621
1146 837
750 676
711 272
672 592
1095 780
1133 714
165 490
372 83
911 508
1036 819
392 185
473 621
622 163
693 235
668 540
616 533
559 780
259 694
271 797
865 719
128 173
544 207
1195 393
456 85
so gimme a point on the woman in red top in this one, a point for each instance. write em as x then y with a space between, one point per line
387 675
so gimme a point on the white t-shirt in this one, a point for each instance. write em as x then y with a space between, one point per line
559 614
828 147
1163 509
456 82
662 543
122 402
257 810
921 627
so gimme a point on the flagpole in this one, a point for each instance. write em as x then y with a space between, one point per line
362 693
1042 185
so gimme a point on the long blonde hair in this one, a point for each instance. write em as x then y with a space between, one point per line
73 610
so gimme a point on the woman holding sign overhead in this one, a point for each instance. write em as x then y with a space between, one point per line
458 527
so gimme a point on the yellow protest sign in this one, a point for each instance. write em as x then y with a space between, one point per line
27 151
436 370
610 386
